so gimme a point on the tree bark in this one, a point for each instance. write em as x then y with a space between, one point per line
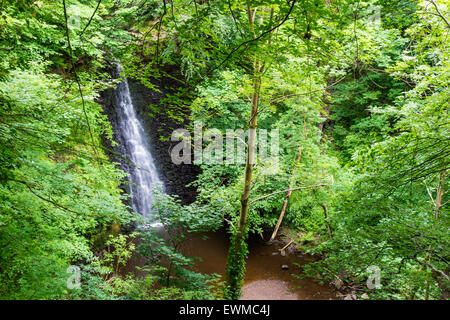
238 248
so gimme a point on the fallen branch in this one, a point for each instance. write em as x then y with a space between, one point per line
290 242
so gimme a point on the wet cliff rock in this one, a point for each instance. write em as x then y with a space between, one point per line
159 126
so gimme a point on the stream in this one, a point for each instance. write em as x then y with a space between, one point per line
264 278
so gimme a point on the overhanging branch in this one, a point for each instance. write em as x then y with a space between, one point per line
296 188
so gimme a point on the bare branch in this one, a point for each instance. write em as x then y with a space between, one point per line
258 37
297 188
306 93
77 79
43 198
429 192
439 14
428 264
90 20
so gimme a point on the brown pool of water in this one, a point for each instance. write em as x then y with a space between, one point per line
264 278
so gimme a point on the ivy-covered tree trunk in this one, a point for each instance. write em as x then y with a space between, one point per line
238 249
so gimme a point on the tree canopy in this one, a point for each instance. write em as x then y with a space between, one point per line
357 90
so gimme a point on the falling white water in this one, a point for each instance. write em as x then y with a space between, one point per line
142 174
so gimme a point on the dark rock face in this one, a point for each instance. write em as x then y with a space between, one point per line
157 126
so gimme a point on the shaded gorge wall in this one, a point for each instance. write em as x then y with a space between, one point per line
158 127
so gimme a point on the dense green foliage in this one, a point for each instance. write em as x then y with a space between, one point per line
357 89
60 197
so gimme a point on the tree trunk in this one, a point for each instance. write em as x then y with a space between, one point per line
238 249
325 212
439 194
291 184
286 202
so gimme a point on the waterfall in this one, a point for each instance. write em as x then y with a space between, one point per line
142 173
